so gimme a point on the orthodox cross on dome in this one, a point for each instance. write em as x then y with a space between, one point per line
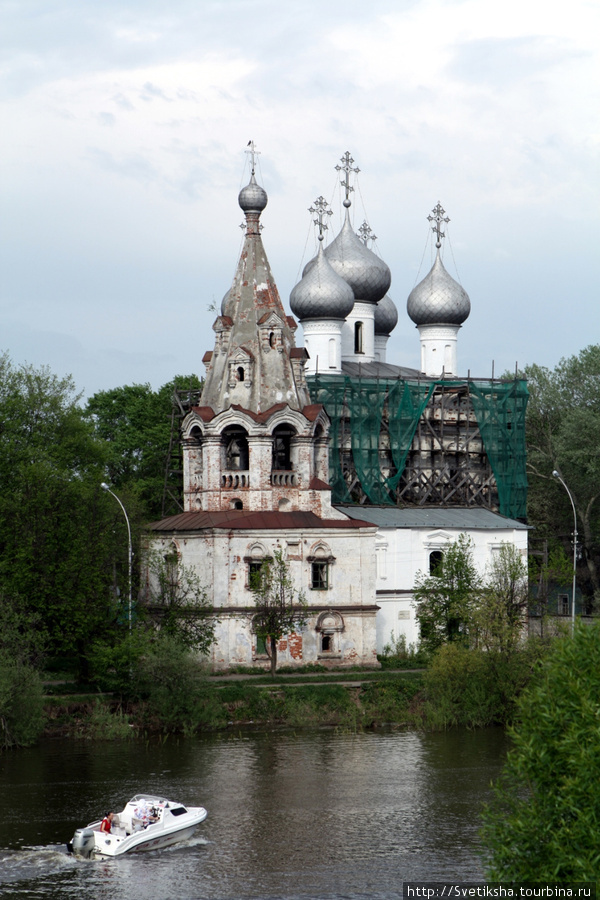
346 167
365 233
321 209
439 216
253 154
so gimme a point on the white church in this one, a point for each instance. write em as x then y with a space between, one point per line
359 471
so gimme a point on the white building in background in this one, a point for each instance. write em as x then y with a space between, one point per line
411 541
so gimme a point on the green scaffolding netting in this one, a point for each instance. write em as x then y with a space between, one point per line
360 405
500 412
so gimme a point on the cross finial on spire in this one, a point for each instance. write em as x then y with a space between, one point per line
439 216
321 209
253 154
346 167
366 234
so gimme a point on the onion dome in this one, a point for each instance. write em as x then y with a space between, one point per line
224 303
321 294
386 316
253 198
367 274
438 299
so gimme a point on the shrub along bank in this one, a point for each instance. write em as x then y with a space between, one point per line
219 704
168 692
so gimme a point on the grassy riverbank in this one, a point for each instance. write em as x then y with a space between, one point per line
351 700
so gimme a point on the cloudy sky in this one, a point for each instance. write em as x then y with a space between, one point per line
124 129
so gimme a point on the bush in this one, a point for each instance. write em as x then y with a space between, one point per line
395 702
544 821
475 688
157 670
21 703
398 655
105 724
172 684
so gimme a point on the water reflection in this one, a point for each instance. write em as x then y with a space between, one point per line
313 814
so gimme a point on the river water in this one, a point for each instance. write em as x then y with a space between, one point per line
312 814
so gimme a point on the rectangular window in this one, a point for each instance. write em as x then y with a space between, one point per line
261 646
563 604
255 570
319 580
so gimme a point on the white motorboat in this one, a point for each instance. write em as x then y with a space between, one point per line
147 822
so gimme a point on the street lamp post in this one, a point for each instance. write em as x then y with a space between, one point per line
105 487
562 481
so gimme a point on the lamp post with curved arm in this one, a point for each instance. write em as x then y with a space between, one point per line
557 474
105 487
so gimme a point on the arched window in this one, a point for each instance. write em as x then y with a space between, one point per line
330 626
272 339
435 560
358 337
235 444
240 373
255 559
321 560
282 446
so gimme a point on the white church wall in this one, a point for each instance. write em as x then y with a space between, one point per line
404 552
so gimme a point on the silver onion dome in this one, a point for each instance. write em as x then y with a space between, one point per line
321 294
225 303
438 299
367 274
386 316
253 198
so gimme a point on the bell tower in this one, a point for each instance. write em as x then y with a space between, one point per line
255 441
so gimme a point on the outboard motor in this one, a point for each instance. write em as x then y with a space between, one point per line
82 843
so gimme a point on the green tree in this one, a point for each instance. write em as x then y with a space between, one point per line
154 668
135 423
178 603
563 433
21 703
446 600
280 607
59 538
499 617
543 823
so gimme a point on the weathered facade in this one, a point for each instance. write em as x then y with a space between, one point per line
255 481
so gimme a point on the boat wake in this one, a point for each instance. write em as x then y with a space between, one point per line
31 862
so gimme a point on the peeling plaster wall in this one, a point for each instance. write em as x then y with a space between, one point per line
221 561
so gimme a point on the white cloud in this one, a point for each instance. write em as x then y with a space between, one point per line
127 129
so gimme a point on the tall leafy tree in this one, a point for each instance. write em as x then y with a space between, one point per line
135 423
563 433
543 822
178 603
446 600
500 616
280 607
60 541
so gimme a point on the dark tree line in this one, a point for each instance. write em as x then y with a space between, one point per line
63 540
563 434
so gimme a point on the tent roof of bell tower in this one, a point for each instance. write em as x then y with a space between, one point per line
254 321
